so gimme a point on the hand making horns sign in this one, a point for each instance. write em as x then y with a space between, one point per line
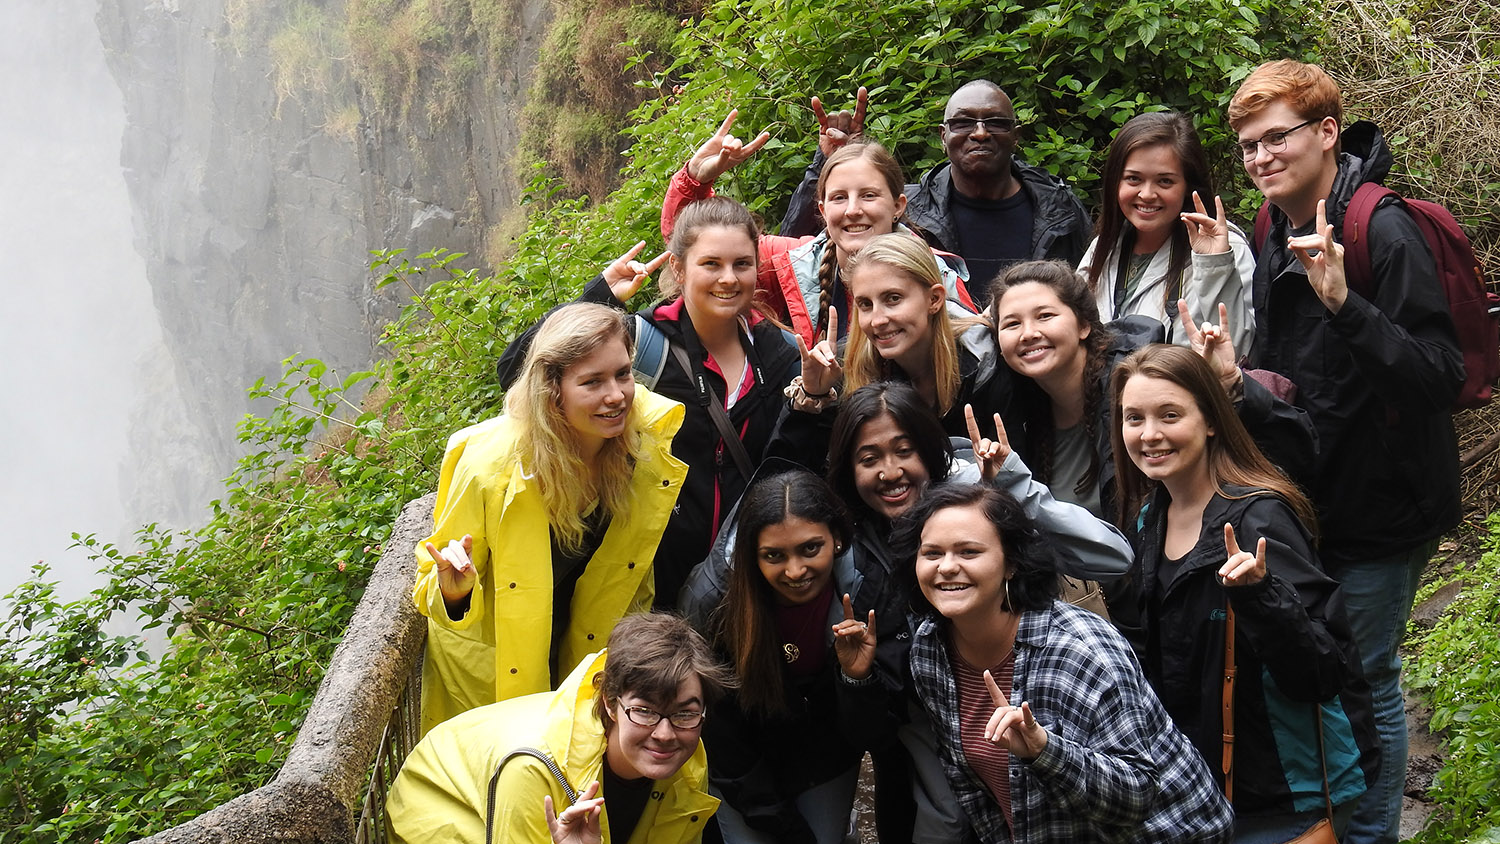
854 643
722 151
456 574
1242 568
1213 343
625 275
1323 258
1013 726
1207 235
841 127
990 452
821 370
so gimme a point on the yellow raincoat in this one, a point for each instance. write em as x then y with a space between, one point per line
486 493
443 793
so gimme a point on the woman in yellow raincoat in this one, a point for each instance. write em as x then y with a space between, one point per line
623 730
547 519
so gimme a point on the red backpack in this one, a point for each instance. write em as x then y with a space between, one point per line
1475 310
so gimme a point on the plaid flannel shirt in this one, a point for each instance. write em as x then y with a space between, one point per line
1115 768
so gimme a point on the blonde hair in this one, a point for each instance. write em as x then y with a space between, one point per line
913 257
890 170
547 446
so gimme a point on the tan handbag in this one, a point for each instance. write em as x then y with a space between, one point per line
1322 831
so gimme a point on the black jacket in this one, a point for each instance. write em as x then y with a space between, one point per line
713 482
1377 378
1060 229
1293 647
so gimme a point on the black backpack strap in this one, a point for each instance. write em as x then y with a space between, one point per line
721 419
557 773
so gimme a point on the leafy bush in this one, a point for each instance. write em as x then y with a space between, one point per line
1457 669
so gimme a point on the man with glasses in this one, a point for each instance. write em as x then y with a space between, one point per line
623 730
985 205
1376 373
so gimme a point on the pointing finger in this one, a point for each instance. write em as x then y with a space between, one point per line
833 326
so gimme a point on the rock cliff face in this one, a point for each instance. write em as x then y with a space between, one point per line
256 221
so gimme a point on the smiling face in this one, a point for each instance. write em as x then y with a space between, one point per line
888 472
980 158
858 205
894 309
1165 432
796 559
633 751
1151 192
596 393
961 564
1301 173
717 274
1040 337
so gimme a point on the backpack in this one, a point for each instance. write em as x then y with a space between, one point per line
1475 310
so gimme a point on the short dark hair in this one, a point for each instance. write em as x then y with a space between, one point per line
901 402
1028 553
650 655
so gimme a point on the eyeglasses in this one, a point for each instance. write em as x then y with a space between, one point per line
1272 141
688 719
968 125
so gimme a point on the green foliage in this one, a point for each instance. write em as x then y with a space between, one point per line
1457 669
101 742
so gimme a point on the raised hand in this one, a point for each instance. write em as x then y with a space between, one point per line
722 151
1242 568
1323 258
854 643
456 575
578 823
990 452
1207 235
1213 343
841 127
625 275
1013 726
821 370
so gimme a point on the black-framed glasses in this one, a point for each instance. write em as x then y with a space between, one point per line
968 125
1272 141
687 719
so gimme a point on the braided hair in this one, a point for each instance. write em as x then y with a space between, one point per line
890 170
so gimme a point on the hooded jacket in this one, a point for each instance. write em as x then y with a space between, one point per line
1293 650
499 649
713 480
453 782
1377 378
789 265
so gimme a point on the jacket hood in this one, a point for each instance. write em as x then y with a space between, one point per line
1365 158
572 734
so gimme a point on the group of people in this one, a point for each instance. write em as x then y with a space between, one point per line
1107 540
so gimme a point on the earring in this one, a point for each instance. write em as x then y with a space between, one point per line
1006 604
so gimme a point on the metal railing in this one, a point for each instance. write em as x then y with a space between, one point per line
402 732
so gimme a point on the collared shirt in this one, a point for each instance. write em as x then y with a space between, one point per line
1114 767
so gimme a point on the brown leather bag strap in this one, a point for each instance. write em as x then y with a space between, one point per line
1229 672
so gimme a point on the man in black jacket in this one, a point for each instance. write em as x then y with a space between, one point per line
985 205
1377 375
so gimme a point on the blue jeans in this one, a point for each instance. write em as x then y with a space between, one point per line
826 808
1378 595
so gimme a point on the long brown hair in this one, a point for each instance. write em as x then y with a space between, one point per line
1075 295
1161 128
746 627
1233 456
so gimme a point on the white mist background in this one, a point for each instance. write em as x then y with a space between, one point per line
77 326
